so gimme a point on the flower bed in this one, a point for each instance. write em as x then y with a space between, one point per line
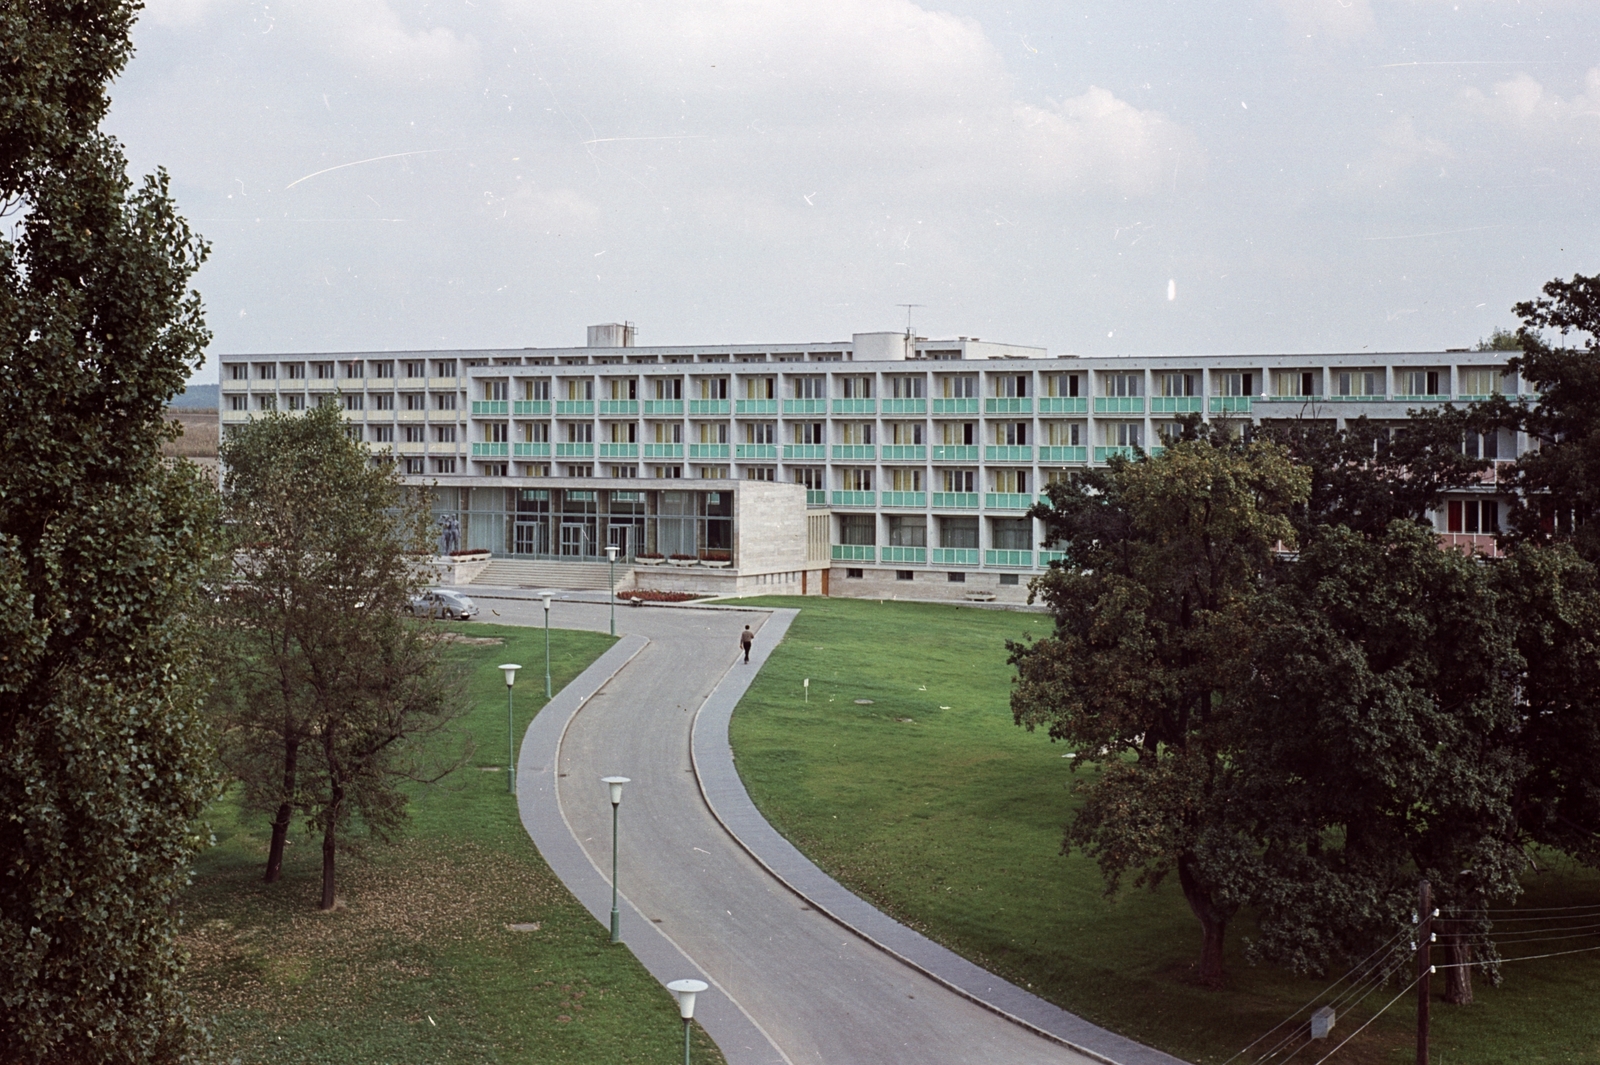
659 597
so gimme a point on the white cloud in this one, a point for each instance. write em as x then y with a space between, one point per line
1526 106
1400 150
1339 21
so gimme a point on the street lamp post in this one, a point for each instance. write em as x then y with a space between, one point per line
686 990
547 645
611 560
510 671
615 784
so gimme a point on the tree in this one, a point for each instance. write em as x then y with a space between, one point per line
105 766
1161 558
330 692
1500 340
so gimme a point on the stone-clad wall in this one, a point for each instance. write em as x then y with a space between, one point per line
769 527
925 584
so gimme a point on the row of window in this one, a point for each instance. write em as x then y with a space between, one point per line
344 368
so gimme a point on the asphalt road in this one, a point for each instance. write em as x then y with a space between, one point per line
806 990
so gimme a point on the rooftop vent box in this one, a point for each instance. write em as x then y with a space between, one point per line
611 335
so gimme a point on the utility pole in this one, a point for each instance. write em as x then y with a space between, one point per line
1424 967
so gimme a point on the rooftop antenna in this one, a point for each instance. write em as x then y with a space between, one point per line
908 307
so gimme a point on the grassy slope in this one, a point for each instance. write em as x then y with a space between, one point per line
418 966
950 819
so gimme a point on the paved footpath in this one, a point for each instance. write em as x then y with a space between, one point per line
802 972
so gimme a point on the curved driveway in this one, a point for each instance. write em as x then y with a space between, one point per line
789 984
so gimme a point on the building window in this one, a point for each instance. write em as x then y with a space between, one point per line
668 472
267 402
1480 382
856 387
414 434
1011 434
1358 383
956 578
383 369
1008 579
960 481
1011 385
960 387
856 479
810 476
1124 384
536 469
810 387
856 433
413 369
858 529
295 371
854 574
958 434
1124 434
580 471
1296 383
414 467
904 575
238 371
1011 482
444 368
1472 516
444 434
1233 384
1178 384
760 432
908 387
444 401
494 469
266 370
238 402
352 432
499 432
1012 534
353 400
1423 383
959 533
712 473
415 401
382 401
908 530
383 434
760 473
1061 384
624 472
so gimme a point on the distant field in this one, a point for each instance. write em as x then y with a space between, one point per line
200 434
417 965
930 803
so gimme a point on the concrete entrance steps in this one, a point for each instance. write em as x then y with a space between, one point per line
573 576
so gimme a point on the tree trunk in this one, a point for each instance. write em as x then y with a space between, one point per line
1458 953
329 838
280 823
1213 924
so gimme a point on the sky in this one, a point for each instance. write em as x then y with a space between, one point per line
1097 177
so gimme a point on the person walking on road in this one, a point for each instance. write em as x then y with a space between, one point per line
746 638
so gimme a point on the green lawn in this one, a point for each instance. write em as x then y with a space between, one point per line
418 965
932 804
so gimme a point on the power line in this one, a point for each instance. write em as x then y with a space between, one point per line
1525 957
1374 1017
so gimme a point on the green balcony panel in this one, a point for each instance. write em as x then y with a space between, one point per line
1007 501
1064 405
531 450
663 408
575 408
904 406
918 555
619 451
490 406
709 408
855 499
1230 404
905 499
815 498
663 451
955 500
1063 454
1368 399
804 452
708 451
805 406
1009 559
854 553
1047 557
1119 404
531 408
755 406
905 453
955 452
855 452
1105 454
1175 404
855 406
1439 398
490 450
628 407
964 405
1007 453
955 556
1008 405
754 452
574 451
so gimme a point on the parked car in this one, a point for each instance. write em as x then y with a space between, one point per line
443 603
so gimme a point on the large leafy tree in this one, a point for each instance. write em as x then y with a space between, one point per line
330 693
104 765
1152 631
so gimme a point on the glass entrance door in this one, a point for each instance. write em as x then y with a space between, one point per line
577 539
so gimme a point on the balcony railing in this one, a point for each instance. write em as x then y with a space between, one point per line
531 450
619 451
574 450
1175 404
663 408
1007 501
805 406
531 408
755 406
1119 404
1436 397
708 451
905 499
1008 405
955 501
905 453
663 451
805 452
918 555
917 405
1105 454
956 405
1063 405
855 406
1230 404
489 406
616 407
1008 453
815 498
1009 559
854 553
955 556
1054 453
855 452
490 449
955 452
755 452
1047 557
855 499
574 408
709 408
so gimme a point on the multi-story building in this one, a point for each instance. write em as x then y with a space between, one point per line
886 464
